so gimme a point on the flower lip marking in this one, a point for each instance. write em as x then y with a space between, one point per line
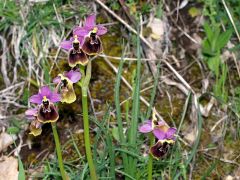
76 43
45 103
64 82
93 36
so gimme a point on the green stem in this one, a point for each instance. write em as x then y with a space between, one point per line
59 152
85 82
150 160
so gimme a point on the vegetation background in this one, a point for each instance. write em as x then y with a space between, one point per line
181 57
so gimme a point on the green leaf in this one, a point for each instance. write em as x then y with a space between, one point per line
223 39
206 49
213 64
115 133
13 130
21 174
208 31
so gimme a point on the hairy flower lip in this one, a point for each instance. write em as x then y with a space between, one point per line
92 48
47 116
161 148
75 58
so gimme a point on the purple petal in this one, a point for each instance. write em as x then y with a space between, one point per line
37 98
74 76
30 113
170 133
66 45
146 127
57 80
90 20
159 134
55 97
81 38
101 30
81 32
45 91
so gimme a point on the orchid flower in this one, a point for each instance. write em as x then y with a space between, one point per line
65 83
75 53
45 99
92 44
35 126
164 134
159 128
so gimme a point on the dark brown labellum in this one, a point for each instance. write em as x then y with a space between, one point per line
77 57
92 45
160 149
47 115
76 46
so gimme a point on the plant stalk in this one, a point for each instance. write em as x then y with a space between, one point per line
85 82
59 152
150 160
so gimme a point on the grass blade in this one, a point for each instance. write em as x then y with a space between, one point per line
21 175
135 112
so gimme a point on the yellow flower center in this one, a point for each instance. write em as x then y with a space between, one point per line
95 29
45 98
75 39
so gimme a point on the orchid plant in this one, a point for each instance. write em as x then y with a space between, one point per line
164 135
84 43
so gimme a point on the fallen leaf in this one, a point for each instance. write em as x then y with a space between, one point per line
8 168
191 136
205 110
157 27
6 140
183 4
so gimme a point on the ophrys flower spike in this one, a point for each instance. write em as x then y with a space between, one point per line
46 112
